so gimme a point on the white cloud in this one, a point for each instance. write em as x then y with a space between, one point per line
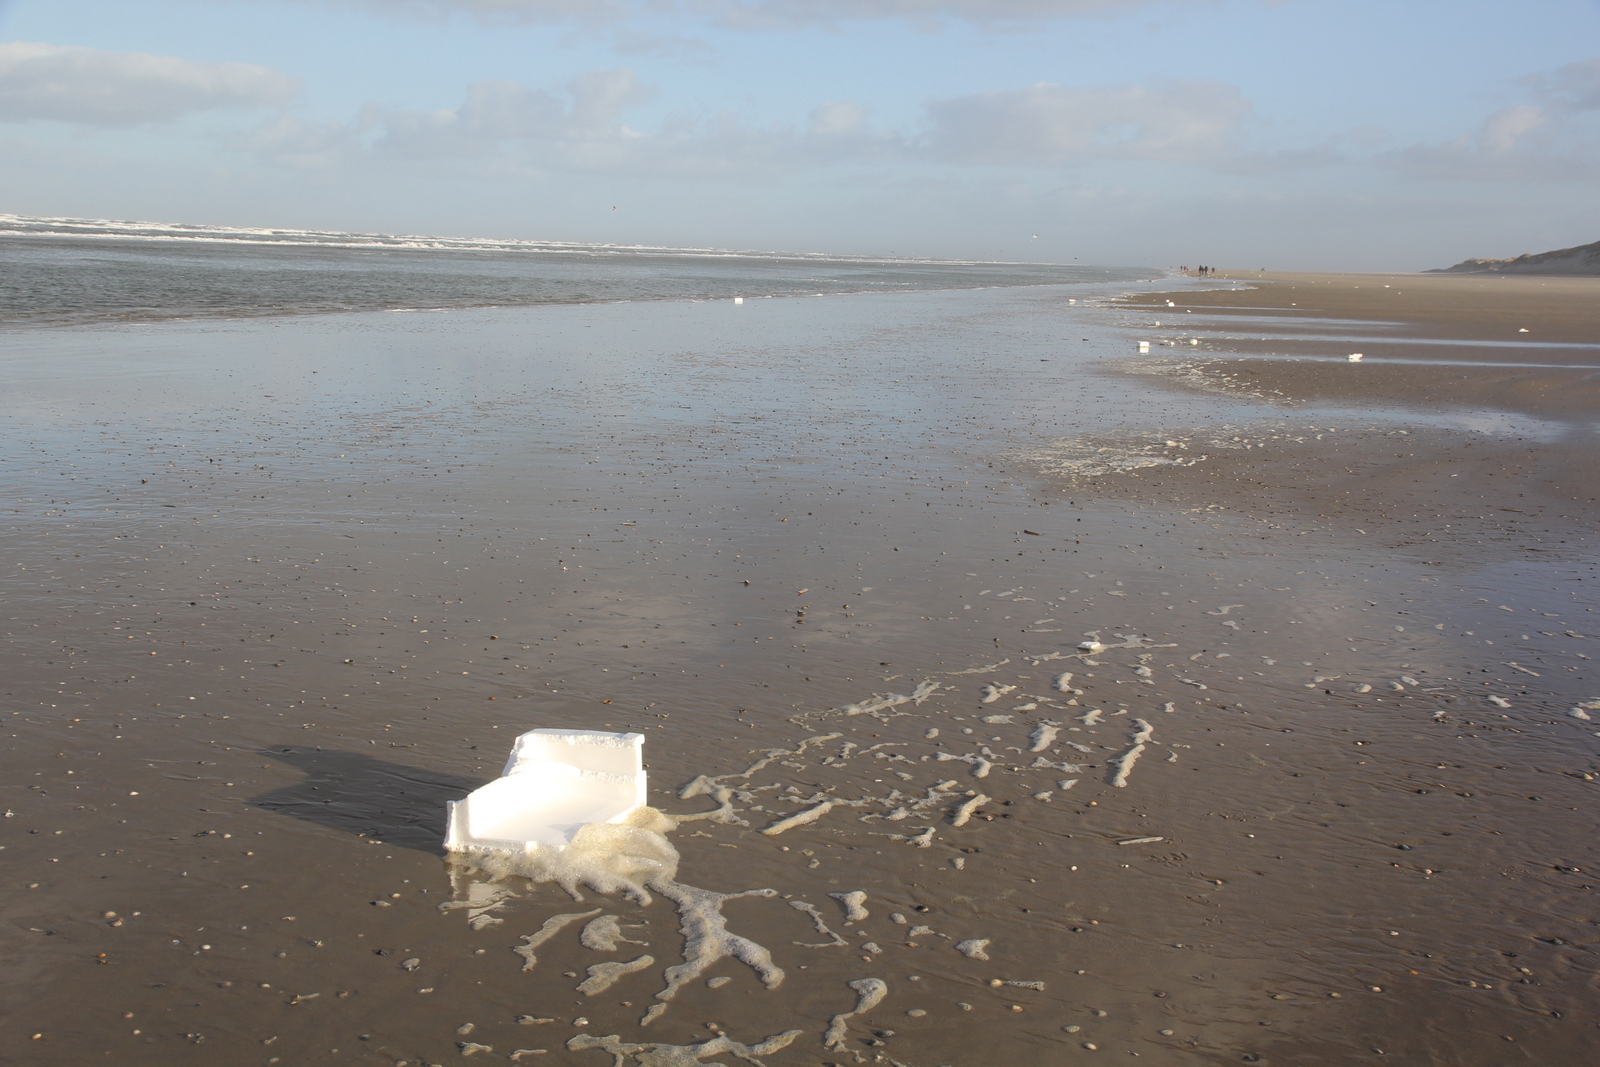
1052 124
95 88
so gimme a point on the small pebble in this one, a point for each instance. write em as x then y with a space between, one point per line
916 1013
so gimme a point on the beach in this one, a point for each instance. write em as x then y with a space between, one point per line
283 586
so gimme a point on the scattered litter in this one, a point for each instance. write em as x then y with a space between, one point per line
1142 841
569 808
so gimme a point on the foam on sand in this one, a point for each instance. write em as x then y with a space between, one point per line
707 940
1125 762
656 1055
869 994
602 976
552 926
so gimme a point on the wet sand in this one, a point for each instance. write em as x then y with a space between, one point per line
280 589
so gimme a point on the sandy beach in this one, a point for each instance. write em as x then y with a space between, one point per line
1314 794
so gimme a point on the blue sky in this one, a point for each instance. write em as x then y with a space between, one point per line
1295 134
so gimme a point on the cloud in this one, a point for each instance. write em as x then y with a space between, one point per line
496 116
763 14
1574 87
95 88
505 127
1555 140
1048 124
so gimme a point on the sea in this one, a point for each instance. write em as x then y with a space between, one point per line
61 271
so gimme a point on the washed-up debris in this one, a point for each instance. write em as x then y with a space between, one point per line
1142 841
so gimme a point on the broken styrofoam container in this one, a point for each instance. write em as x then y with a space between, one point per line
555 783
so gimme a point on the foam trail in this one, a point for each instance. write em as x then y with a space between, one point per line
1126 761
822 927
680 1055
876 703
604 935
799 818
964 813
869 994
706 940
852 902
974 948
552 926
1043 736
602 976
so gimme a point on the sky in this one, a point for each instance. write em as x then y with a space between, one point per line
1286 134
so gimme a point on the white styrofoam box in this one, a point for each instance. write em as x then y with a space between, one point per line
555 782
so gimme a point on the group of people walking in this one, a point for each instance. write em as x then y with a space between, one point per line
1202 271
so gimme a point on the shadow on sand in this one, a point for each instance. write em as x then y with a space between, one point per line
354 793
